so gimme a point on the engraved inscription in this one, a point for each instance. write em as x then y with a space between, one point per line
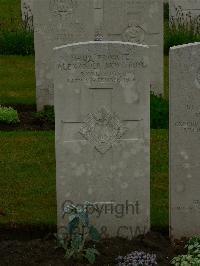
60 6
102 129
191 125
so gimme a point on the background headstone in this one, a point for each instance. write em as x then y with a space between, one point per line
27 13
185 140
102 107
57 22
182 12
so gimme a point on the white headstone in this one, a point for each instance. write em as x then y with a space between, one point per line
185 140
57 22
182 12
102 103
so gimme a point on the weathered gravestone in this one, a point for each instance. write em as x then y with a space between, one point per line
185 12
185 140
27 13
103 133
58 22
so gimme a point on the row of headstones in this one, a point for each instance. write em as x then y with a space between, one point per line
72 21
102 157
102 109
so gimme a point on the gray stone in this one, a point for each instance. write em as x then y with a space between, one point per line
57 23
182 12
184 140
102 105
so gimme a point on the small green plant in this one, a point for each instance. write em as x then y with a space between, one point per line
193 246
193 254
77 231
186 260
47 115
8 115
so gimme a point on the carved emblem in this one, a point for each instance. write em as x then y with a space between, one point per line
102 129
134 33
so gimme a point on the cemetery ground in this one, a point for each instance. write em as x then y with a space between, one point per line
27 182
28 209
28 189
27 176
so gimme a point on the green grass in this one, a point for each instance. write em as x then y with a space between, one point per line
17 82
159 179
10 14
166 77
27 178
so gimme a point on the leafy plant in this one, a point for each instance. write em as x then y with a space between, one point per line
137 258
159 112
77 232
193 246
181 29
47 115
193 254
8 115
186 260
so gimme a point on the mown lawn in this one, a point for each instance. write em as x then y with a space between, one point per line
166 77
10 15
17 82
27 178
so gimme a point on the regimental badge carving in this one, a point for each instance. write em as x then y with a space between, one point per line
102 129
134 33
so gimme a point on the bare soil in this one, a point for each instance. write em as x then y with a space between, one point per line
20 248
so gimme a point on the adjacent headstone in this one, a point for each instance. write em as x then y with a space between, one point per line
102 103
58 22
27 13
185 12
185 140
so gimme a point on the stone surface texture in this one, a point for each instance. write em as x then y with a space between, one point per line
185 140
58 23
102 107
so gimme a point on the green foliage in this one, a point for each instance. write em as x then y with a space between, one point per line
193 254
166 11
47 115
16 43
16 36
186 260
8 115
193 246
78 230
159 112
183 29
